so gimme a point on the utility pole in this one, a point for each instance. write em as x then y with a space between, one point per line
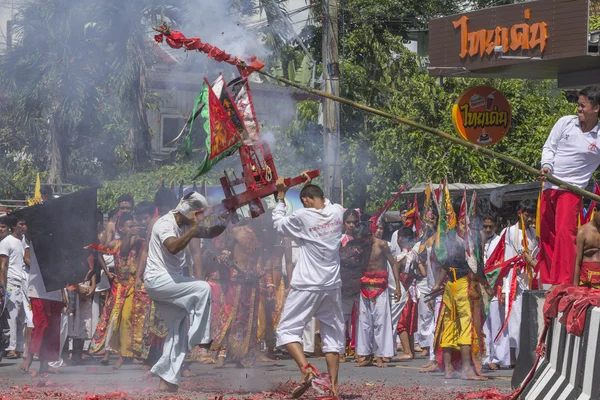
331 109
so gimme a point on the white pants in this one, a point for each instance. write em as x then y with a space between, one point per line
16 321
177 297
395 310
308 336
498 352
436 315
80 323
64 330
27 307
375 335
301 306
426 317
514 322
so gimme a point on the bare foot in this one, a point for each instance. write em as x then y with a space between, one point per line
119 363
424 353
342 358
165 386
263 358
24 366
49 370
493 367
472 376
379 363
452 374
220 362
387 359
418 349
430 367
404 357
187 373
366 362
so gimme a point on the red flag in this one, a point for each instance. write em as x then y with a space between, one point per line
377 218
461 225
417 218
223 134
177 40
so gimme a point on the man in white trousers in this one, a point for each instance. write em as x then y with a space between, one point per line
315 285
498 351
175 295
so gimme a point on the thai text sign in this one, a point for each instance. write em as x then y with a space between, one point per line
482 115
523 36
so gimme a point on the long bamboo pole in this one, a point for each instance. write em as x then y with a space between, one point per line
455 139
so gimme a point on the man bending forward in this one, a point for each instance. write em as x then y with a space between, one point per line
315 284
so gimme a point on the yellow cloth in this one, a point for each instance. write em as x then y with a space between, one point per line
122 336
456 315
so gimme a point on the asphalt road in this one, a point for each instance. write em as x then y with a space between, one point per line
400 380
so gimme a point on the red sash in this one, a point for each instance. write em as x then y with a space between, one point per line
374 283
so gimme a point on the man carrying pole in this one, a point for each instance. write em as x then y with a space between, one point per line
316 284
572 154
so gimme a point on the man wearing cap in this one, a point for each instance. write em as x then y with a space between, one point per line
175 295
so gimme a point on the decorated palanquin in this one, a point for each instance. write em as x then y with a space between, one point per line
231 126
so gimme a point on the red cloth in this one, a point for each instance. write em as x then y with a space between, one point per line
559 212
408 321
45 337
373 283
589 274
573 302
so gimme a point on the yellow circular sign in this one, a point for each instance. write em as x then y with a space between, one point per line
482 115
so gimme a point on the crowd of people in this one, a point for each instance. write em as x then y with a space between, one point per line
169 283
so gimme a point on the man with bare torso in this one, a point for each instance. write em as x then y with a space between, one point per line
234 281
587 264
375 333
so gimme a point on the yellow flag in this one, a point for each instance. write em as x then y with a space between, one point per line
37 195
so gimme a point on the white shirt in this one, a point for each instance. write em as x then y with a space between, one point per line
12 248
160 260
489 246
37 288
391 280
513 245
318 234
571 154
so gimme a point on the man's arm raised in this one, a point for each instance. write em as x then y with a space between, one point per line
206 230
290 226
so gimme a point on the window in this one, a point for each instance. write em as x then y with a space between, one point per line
171 127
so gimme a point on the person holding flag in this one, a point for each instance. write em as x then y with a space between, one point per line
497 348
520 239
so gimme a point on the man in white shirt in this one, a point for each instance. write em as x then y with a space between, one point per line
514 244
498 353
175 295
12 263
315 284
571 153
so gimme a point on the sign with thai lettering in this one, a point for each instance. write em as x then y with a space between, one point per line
538 39
522 36
482 115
